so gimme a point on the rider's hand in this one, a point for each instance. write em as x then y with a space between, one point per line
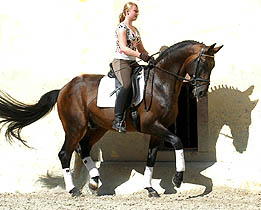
144 57
151 61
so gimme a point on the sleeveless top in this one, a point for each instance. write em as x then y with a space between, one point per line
132 41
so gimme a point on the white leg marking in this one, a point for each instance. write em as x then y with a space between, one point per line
180 161
68 179
90 165
148 176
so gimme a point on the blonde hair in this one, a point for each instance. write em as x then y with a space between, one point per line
126 8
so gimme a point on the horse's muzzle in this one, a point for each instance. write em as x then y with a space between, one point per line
200 91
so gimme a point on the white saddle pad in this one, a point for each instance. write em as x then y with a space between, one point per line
107 86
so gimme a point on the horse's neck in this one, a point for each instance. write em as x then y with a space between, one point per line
175 64
167 83
174 68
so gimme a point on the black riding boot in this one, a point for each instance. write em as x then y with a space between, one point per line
120 106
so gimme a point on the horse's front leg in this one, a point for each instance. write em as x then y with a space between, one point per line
151 159
180 160
157 129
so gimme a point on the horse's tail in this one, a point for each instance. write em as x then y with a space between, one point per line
18 115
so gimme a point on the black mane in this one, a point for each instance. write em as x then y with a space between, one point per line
172 49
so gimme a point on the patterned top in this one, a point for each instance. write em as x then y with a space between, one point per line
133 39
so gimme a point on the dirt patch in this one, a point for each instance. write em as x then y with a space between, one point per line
218 198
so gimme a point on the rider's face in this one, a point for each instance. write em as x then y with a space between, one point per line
133 13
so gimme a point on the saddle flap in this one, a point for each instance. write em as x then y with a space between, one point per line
107 88
135 79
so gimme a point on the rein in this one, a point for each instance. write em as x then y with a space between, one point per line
195 75
195 81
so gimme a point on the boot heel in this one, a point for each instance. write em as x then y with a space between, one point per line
119 126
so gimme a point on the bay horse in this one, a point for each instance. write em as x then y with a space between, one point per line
85 124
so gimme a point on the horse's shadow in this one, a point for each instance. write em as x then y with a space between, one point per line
227 106
51 181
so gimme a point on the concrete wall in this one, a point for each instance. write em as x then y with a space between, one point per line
44 44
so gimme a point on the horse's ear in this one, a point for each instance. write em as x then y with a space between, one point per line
212 50
216 49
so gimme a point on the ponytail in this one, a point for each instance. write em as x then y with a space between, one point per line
121 17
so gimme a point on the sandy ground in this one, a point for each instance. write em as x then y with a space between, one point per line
219 198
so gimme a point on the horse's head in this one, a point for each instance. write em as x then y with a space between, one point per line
189 58
199 66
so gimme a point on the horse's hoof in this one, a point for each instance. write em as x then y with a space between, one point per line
75 192
94 183
152 193
177 179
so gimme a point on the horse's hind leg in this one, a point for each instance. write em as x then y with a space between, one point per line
90 138
65 156
72 138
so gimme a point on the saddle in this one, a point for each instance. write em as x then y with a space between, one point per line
136 73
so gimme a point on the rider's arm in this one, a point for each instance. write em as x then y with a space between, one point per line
141 48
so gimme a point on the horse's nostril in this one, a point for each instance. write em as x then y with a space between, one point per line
201 93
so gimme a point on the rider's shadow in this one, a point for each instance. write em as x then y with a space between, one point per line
231 108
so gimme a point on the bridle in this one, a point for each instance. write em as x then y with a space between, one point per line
196 81
195 78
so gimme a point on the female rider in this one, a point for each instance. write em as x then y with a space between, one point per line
128 47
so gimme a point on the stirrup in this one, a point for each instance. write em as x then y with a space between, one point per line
119 126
